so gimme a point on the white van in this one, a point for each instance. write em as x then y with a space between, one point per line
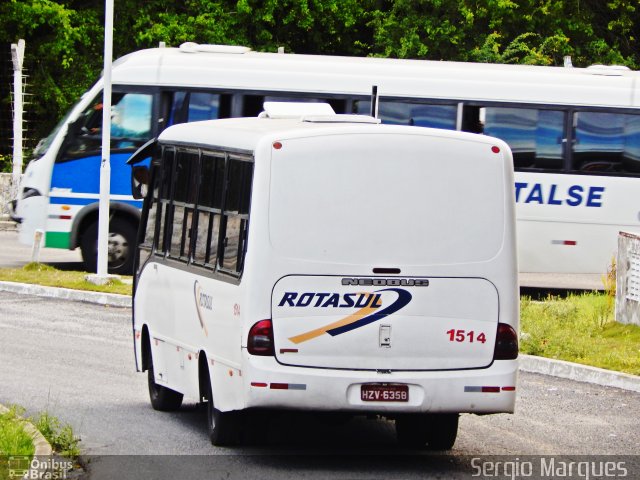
328 263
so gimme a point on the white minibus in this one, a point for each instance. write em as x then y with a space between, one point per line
327 263
574 134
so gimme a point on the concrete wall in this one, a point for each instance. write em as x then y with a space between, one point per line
628 278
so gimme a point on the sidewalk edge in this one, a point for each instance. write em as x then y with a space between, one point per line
579 373
108 299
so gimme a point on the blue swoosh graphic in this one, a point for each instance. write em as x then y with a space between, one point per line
404 298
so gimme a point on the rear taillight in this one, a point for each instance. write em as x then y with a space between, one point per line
506 343
260 341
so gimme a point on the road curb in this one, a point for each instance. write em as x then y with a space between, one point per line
43 450
579 373
107 299
7 225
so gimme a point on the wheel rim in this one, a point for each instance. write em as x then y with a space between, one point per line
118 250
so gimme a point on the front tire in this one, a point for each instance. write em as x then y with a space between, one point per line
162 398
122 242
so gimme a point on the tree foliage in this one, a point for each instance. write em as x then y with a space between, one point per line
65 37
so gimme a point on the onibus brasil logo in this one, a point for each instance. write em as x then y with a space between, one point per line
372 307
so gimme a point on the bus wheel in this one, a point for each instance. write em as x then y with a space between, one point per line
412 430
443 430
224 427
122 242
162 398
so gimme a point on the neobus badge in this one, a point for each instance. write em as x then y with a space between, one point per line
386 282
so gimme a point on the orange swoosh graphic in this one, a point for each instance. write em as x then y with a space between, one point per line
354 317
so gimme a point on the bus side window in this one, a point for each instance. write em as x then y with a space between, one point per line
183 203
130 126
198 106
164 202
534 136
209 209
411 113
236 214
606 142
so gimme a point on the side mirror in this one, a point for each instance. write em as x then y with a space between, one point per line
140 176
140 181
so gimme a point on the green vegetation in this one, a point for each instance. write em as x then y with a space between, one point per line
13 439
64 38
60 436
581 329
16 445
41 274
6 163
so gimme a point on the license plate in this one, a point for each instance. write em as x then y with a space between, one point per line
384 393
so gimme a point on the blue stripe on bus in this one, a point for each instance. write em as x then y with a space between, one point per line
89 201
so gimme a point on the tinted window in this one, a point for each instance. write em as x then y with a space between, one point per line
130 125
607 142
534 136
206 197
408 113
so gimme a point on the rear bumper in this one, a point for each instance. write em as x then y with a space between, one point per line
271 385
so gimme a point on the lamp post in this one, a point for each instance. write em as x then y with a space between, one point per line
105 165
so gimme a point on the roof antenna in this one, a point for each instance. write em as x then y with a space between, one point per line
374 101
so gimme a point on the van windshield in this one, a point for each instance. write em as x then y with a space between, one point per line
417 200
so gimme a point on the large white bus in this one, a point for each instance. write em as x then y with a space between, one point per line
574 133
325 264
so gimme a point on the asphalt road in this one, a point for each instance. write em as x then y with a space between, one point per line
76 361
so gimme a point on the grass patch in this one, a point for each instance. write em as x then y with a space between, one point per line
41 274
60 437
13 439
580 329
16 445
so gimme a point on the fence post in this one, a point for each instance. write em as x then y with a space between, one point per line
17 56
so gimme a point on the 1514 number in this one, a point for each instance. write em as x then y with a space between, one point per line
466 336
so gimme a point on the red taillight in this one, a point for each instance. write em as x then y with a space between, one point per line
506 343
260 341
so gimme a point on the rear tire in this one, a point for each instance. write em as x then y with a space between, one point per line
224 427
443 431
122 243
162 398
412 430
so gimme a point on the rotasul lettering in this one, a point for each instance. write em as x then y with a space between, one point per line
331 300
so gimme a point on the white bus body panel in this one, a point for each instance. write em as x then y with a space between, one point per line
410 79
557 226
322 323
334 203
